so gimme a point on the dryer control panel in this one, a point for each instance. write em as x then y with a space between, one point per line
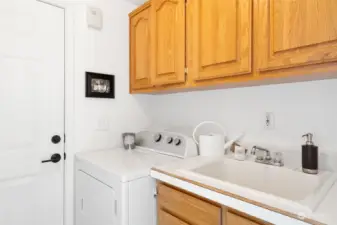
168 143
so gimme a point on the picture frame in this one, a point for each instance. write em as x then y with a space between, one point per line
99 85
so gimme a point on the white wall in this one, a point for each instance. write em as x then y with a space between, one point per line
100 122
137 2
93 124
298 108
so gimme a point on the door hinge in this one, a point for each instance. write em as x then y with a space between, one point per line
65 156
82 204
116 212
186 70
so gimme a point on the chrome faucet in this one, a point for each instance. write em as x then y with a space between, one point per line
268 156
267 159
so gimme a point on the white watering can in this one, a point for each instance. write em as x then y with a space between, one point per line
212 144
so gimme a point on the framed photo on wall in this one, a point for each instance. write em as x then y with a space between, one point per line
99 85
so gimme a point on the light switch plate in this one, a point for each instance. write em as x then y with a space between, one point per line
103 124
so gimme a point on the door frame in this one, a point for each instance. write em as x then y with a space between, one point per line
69 111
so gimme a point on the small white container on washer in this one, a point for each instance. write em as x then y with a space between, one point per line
240 153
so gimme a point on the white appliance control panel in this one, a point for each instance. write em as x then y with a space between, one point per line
168 143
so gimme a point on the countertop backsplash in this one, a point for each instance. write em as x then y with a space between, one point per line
298 108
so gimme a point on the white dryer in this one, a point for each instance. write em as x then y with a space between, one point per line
114 187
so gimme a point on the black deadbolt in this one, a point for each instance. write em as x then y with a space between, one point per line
56 139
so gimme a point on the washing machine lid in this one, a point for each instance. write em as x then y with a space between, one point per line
126 165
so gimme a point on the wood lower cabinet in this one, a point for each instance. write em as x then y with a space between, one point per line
187 208
164 218
168 41
140 46
230 218
176 207
219 38
295 33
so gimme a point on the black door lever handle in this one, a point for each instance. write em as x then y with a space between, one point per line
54 159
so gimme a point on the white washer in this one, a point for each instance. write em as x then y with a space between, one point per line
114 187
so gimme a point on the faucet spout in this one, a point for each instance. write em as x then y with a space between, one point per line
277 161
260 149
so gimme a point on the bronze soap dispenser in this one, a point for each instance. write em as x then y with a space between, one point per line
309 155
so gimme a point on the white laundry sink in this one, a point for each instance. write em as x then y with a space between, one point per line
287 184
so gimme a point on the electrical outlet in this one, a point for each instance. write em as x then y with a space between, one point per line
269 121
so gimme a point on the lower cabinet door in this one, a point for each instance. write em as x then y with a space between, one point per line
187 207
165 218
233 219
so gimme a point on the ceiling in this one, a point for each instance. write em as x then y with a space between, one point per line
137 2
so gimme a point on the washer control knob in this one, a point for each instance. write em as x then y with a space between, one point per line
177 141
157 137
169 140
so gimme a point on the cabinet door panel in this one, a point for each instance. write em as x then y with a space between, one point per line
219 37
140 50
165 218
188 208
296 33
168 35
233 219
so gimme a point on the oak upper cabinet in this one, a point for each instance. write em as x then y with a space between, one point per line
230 41
219 38
140 45
295 33
168 38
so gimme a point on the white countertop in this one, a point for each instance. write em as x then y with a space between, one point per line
325 213
125 164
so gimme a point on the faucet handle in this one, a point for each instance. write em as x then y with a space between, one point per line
253 151
268 157
278 159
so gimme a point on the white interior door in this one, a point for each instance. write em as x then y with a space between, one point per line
31 112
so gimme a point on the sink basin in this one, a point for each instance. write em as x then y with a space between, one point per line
292 185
